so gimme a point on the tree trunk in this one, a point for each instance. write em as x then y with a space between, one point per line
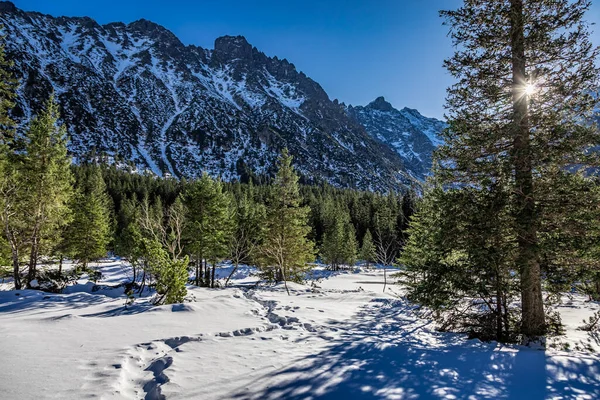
15 262
202 268
284 280
212 278
206 274
143 279
533 319
499 330
198 266
231 274
505 315
32 261
60 265
134 270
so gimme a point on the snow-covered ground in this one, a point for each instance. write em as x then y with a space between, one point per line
338 337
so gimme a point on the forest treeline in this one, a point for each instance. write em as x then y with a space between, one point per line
168 229
54 210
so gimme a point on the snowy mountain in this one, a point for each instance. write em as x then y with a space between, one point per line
412 135
135 92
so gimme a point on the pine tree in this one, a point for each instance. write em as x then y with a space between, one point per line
518 128
249 232
8 86
210 225
160 248
128 241
10 212
351 249
286 245
88 234
459 266
339 240
368 251
47 182
170 274
171 278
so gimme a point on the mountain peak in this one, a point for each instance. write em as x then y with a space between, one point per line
380 104
145 25
232 47
7 6
412 111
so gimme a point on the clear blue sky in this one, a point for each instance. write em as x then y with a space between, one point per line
356 49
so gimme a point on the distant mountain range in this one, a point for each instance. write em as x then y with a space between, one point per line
135 92
411 135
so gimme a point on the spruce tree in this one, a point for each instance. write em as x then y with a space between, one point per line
88 234
457 261
286 245
339 240
249 230
47 182
519 126
368 251
209 227
10 212
351 250
128 241
8 86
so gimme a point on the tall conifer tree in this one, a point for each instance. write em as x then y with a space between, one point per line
339 240
47 181
368 251
249 230
88 234
286 245
9 182
209 226
519 119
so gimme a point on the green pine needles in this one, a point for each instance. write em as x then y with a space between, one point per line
508 214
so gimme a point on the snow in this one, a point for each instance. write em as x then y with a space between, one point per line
69 39
429 126
142 151
163 141
285 93
336 337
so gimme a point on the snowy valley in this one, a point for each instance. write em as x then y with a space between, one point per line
339 336
179 222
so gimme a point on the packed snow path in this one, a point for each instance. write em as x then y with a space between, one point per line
336 338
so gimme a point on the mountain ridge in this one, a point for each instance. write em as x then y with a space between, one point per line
413 136
136 91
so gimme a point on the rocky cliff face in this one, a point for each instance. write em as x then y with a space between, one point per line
135 92
411 135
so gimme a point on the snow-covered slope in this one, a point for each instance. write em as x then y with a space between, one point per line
135 92
340 337
412 135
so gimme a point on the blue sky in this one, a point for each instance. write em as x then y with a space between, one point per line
356 49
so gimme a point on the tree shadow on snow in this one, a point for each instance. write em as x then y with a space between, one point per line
27 300
122 310
388 353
